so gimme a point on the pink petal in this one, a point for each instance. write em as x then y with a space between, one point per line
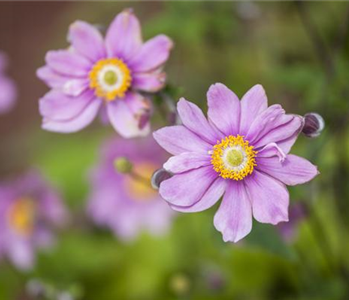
223 109
269 198
187 188
137 103
271 150
77 123
127 225
161 224
287 143
124 38
125 116
68 63
193 118
234 216
179 139
187 161
282 132
141 108
292 171
86 40
149 82
21 254
265 122
8 94
154 53
51 78
210 198
252 103
57 106
75 87
44 238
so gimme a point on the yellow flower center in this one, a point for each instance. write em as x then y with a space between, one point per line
22 215
233 158
110 78
139 187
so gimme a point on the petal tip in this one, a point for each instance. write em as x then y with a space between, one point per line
259 86
128 10
259 89
170 43
217 85
161 192
75 24
167 41
156 134
280 220
167 166
233 239
182 101
45 125
39 72
217 89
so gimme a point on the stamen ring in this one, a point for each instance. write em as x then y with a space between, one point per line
233 158
110 78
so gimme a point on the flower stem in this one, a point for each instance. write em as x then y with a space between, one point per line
145 181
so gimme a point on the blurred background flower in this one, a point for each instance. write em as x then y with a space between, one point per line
122 197
8 91
29 209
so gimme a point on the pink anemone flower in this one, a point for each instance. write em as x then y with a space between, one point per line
30 210
104 75
126 202
241 153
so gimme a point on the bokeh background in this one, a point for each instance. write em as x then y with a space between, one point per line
299 52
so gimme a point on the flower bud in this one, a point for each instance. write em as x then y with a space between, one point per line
123 165
158 177
313 125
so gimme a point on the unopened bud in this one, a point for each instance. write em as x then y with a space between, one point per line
123 165
313 125
158 177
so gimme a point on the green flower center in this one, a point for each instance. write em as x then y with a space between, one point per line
110 77
234 157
